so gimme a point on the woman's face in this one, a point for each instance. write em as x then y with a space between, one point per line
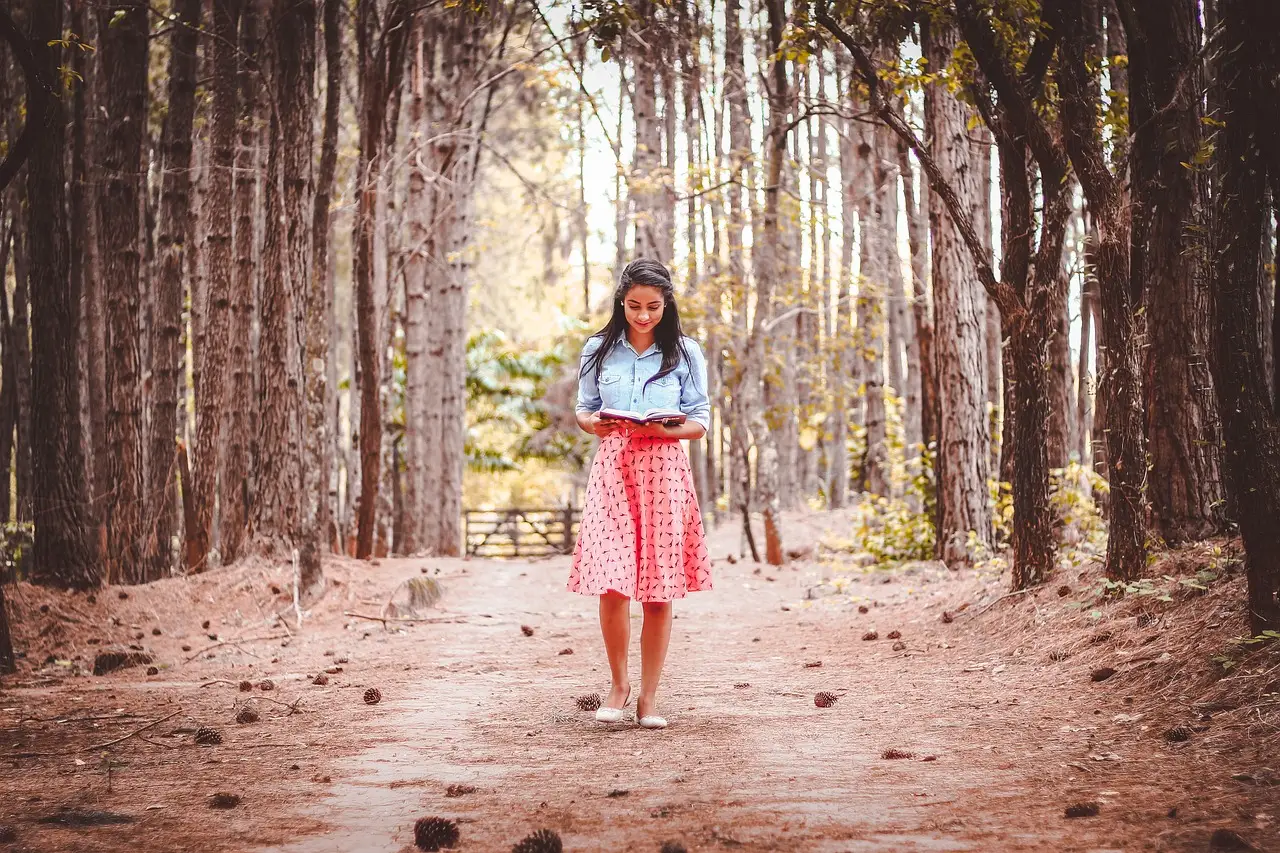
643 306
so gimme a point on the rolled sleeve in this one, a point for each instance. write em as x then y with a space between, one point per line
694 402
588 382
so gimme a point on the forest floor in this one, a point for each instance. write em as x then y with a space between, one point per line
994 704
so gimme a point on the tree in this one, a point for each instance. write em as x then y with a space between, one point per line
1078 57
235 476
1167 168
286 279
211 389
175 211
1246 161
959 310
123 50
381 52
62 553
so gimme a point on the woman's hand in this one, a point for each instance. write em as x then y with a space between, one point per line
603 427
656 429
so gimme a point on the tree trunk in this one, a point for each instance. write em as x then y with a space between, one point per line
381 61
1126 462
211 390
8 367
279 498
82 235
1244 145
842 336
175 211
1084 393
922 422
1059 379
123 46
647 178
869 339
417 258
63 554
20 339
236 478
1183 443
963 462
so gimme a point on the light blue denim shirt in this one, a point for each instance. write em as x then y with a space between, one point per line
623 382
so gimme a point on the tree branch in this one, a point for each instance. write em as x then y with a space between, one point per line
1008 300
37 101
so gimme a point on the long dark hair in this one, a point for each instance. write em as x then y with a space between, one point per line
668 334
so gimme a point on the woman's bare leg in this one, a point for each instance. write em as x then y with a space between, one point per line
615 625
655 636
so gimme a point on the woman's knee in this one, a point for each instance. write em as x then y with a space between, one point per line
656 608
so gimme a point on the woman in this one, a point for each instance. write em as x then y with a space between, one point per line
641 535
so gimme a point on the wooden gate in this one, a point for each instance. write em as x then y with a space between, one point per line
521 532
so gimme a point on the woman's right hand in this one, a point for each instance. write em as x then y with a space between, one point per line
603 427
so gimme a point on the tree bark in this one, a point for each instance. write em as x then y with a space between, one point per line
872 287
963 462
417 280
20 339
235 479
1245 152
922 422
381 60
211 390
1183 440
123 46
646 184
279 499
63 554
1126 462
175 211
842 336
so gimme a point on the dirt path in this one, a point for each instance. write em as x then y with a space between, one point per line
1001 742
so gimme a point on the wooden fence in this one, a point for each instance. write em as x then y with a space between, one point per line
521 532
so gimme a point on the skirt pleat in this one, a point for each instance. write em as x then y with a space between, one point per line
641 533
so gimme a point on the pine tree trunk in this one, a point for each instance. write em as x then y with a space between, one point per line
963 460
842 334
279 498
211 389
418 444
1184 485
21 341
647 190
1126 463
81 234
381 63
1084 396
123 46
1059 379
1249 65
235 478
175 212
869 339
8 389
63 554
921 417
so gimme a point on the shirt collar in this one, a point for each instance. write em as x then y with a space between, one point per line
651 349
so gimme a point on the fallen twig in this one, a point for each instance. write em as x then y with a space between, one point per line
218 681
292 706
236 642
987 607
135 732
385 619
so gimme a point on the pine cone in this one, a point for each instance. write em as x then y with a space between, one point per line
223 800
894 635
247 715
320 679
542 841
825 699
208 736
871 635
372 696
528 632
246 686
459 790
674 847
590 702
435 833
892 753
266 684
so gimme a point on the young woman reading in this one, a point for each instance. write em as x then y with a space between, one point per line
641 535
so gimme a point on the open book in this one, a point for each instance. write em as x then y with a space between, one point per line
666 416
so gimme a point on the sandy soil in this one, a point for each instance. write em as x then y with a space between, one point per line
997 708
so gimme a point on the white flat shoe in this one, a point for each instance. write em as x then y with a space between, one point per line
652 721
613 715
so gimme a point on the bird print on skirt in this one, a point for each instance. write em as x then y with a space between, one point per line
641 532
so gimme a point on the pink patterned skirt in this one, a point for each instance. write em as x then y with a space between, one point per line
641 532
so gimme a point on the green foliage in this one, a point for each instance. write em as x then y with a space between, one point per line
892 532
18 539
504 399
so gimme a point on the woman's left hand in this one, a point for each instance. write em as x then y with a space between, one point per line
650 430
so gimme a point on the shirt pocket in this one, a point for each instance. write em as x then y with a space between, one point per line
664 393
611 390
